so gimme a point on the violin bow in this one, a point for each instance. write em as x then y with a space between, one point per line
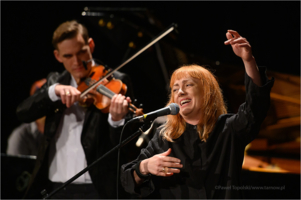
164 33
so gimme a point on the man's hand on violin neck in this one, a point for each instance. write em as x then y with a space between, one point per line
68 94
119 106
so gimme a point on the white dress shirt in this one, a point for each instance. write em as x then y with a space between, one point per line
66 148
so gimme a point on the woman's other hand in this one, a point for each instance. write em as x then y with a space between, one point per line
161 165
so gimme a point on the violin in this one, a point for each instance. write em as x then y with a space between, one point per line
103 91
106 85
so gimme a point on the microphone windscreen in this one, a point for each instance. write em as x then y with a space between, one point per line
174 108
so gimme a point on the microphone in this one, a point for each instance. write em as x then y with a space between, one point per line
172 109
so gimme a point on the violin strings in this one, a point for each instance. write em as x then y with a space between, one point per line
105 91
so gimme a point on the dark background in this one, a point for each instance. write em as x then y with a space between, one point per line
272 28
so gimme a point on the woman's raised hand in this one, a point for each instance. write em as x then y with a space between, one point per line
240 45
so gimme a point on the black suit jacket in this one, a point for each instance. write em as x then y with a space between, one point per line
97 138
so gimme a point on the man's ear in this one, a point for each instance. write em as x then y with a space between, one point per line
91 44
57 56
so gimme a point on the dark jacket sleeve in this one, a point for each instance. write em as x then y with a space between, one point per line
39 104
127 178
246 123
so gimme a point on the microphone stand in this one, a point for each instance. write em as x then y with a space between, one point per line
44 192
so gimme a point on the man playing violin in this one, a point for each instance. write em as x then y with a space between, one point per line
75 136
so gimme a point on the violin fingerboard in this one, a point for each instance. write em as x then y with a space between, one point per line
105 91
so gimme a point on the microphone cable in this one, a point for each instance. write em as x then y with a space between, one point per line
118 160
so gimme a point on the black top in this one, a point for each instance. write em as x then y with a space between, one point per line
210 169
